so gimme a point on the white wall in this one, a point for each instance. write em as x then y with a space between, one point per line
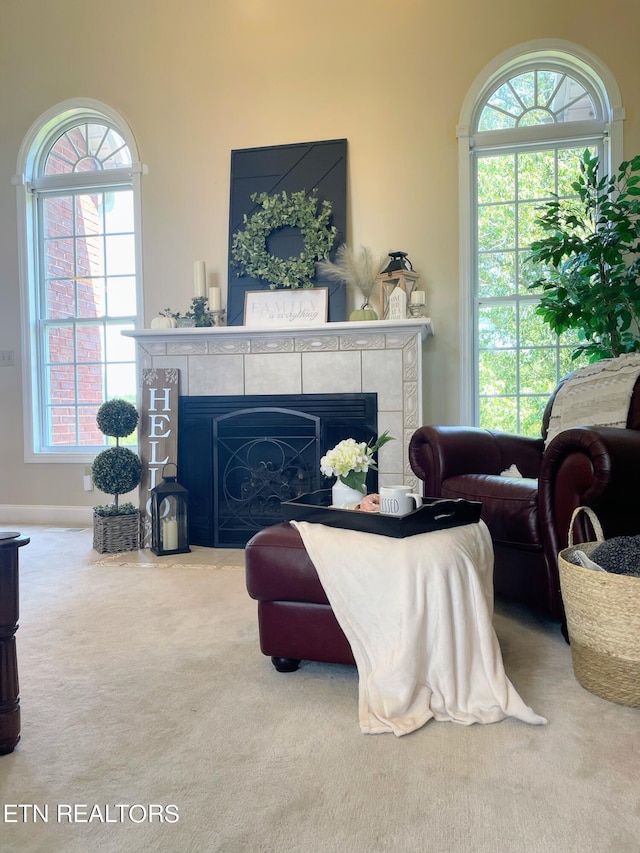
198 78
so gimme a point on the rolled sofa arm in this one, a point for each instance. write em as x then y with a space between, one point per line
594 467
439 452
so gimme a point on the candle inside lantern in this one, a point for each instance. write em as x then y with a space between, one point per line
199 278
418 297
169 534
214 299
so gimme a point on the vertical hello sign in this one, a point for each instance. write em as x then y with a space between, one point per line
158 435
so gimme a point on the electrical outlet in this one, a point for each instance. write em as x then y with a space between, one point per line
7 358
87 483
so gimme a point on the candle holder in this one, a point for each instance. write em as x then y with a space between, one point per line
417 309
418 304
218 317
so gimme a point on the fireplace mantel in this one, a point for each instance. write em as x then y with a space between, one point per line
378 356
421 325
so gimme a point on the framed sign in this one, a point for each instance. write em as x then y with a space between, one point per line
305 306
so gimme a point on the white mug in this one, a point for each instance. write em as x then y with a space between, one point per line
398 500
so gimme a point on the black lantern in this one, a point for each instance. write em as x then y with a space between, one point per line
169 516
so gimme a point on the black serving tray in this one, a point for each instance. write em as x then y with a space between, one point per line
434 514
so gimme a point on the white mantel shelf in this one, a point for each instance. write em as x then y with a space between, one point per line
381 356
421 324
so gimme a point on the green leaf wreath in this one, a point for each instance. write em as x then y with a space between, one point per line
249 247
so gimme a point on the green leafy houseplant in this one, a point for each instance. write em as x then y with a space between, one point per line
590 260
198 312
116 470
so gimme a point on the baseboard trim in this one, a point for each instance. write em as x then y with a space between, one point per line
66 516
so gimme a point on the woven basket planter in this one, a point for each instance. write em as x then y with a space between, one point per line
603 621
115 533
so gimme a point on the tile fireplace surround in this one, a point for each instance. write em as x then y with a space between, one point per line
349 357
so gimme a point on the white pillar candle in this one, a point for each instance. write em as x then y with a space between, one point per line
418 297
199 278
169 534
214 299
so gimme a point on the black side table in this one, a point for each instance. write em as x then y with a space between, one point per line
9 613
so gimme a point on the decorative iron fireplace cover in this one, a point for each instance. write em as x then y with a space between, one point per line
240 457
262 457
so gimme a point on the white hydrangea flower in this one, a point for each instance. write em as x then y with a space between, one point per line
350 460
348 455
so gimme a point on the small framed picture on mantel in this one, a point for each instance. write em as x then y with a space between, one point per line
305 306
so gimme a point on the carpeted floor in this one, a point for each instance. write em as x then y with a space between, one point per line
151 722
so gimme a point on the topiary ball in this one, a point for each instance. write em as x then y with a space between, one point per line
117 418
116 471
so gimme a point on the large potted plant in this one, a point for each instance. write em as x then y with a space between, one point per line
116 471
589 260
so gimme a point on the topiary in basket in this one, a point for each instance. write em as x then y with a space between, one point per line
116 471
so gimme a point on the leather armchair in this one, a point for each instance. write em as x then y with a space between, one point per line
529 517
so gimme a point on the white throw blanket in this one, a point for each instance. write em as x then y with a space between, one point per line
417 612
596 395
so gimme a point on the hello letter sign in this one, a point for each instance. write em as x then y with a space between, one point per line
158 435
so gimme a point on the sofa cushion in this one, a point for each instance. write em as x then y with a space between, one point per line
509 505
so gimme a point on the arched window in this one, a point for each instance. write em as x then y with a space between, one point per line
78 195
524 126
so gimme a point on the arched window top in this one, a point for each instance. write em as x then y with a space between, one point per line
541 90
87 147
77 142
535 97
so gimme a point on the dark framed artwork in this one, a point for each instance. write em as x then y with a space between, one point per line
308 166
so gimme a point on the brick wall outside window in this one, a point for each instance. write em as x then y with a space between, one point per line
76 372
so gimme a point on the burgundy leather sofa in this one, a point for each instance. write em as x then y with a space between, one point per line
295 619
529 518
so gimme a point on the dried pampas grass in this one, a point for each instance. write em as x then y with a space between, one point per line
358 270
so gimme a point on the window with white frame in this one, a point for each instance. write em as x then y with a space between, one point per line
79 198
529 123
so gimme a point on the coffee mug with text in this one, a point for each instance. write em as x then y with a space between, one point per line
398 500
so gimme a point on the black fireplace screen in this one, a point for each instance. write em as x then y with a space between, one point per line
240 457
262 457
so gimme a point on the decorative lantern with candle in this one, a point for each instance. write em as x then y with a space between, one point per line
399 273
169 516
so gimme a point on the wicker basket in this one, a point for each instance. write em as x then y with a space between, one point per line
113 533
603 620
